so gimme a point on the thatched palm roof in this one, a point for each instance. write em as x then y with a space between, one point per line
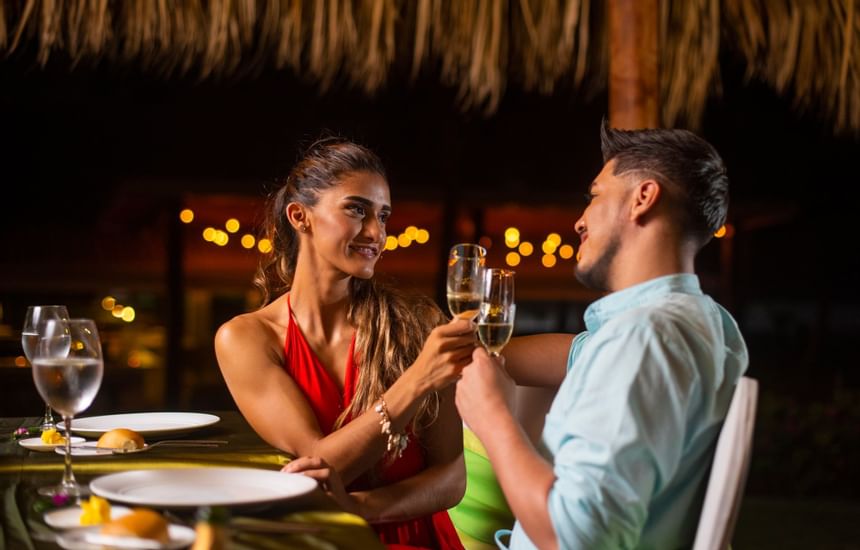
808 50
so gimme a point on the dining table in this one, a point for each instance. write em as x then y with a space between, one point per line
309 520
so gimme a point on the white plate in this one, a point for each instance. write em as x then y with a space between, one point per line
146 424
191 487
91 539
87 448
36 444
70 517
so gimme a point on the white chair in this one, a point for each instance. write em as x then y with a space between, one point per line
729 470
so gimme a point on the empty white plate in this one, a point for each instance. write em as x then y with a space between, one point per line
36 444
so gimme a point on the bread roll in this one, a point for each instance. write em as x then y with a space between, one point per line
141 522
121 438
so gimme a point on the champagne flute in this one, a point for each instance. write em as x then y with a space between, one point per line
465 274
497 310
34 325
69 383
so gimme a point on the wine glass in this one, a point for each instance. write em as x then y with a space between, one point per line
34 325
497 310
465 273
68 383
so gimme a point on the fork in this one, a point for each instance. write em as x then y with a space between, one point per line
173 443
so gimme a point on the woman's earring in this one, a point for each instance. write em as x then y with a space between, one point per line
303 228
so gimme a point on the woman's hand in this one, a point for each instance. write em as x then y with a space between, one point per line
328 479
446 351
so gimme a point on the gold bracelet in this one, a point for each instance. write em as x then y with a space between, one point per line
397 442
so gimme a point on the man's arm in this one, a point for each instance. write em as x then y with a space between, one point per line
538 360
484 401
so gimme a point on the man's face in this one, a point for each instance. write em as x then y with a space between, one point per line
599 228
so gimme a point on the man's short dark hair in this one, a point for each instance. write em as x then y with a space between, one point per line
687 165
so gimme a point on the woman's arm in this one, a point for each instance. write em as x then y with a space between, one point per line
248 353
438 487
538 360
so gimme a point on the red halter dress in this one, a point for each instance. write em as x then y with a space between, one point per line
327 402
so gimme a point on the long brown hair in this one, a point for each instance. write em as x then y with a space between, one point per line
390 326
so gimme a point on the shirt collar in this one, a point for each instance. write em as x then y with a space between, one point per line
611 305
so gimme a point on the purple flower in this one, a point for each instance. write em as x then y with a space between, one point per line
22 431
60 499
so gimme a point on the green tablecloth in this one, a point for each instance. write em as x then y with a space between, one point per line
23 471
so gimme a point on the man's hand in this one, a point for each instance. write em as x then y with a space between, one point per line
327 477
484 391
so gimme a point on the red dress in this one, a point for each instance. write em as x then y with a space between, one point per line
327 402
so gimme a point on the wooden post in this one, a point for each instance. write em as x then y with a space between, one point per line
634 100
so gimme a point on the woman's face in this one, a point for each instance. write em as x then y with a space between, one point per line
347 225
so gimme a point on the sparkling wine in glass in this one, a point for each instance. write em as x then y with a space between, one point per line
497 310
68 383
34 325
465 277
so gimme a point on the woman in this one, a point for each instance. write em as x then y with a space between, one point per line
332 366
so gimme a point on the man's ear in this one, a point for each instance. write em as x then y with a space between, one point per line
644 198
297 216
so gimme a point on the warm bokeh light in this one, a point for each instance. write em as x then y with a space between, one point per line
566 251
248 241
221 238
512 259
486 242
209 234
422 236
526 248
578 255
232 225
128 314
404 240
390 242
411 232
548 247
721 232
117 311
134 360
554 238
20 361
264 246
108 302
548 260
512 237
187 215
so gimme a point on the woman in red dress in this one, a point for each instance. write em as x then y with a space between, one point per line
339 367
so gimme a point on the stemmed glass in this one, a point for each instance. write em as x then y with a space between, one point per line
497 310
34 325
465 274
68 383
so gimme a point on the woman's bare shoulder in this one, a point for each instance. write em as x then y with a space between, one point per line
255 328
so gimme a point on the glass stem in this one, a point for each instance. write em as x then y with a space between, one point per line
48 419
68 476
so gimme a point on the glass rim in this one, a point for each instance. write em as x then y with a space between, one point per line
468 245
503 271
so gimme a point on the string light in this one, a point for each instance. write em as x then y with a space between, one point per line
232 225
512 259
187 215
548 260
566 251
526 248
248 241
512 237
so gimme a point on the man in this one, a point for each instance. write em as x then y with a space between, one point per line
629 438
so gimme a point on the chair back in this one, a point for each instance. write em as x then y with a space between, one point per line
729 470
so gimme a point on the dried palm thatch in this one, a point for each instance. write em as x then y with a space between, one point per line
808 50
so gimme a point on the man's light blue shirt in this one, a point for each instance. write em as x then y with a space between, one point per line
633 428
